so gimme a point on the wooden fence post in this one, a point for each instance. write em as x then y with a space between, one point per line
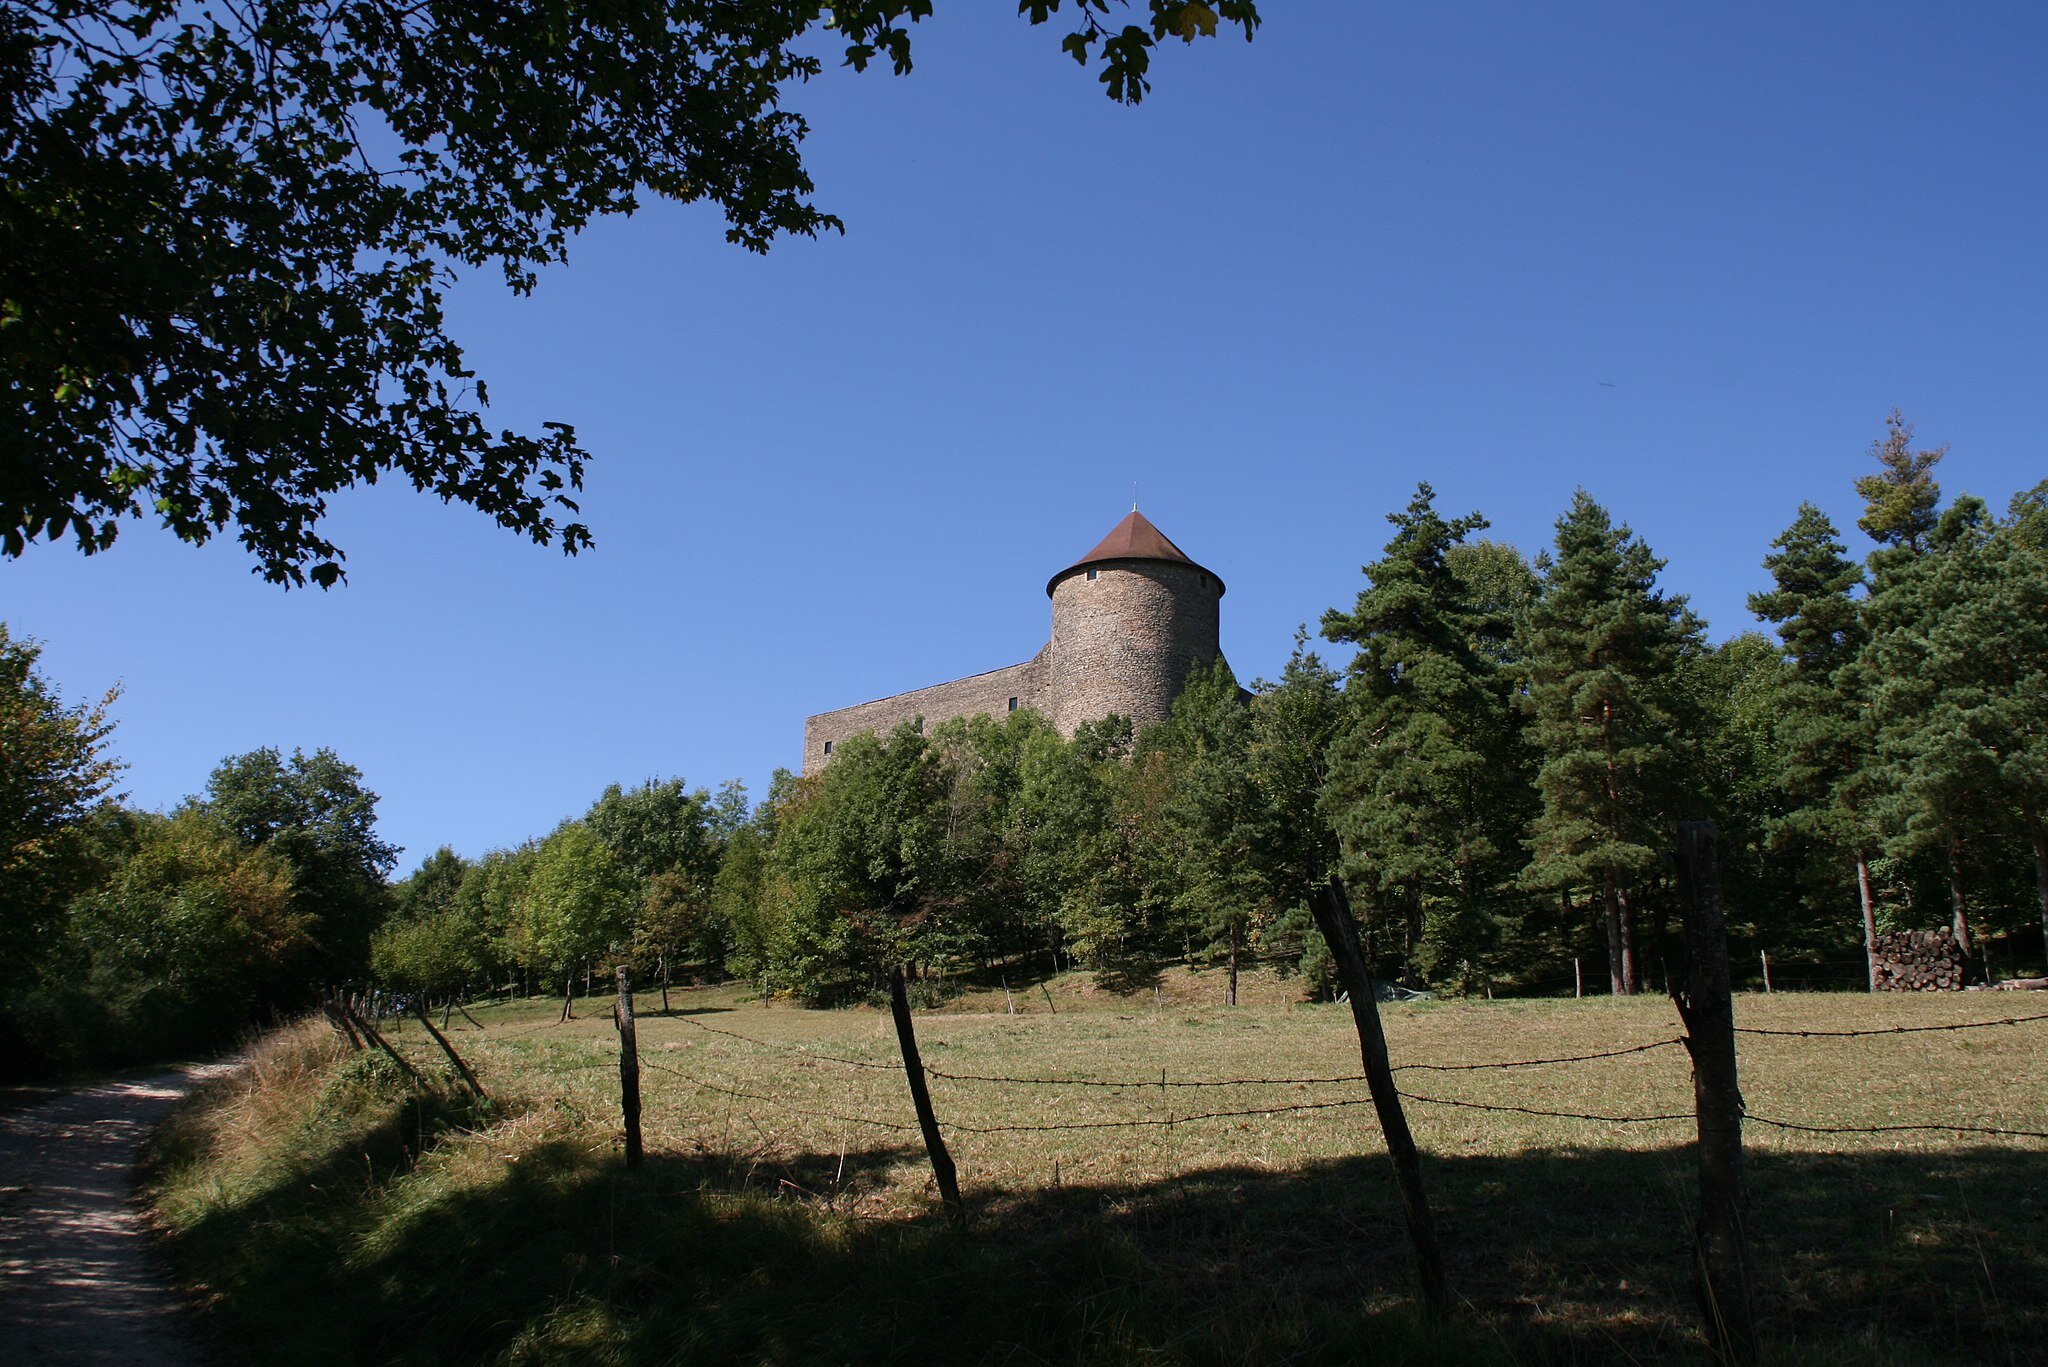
927 1121
1578 980
468 1078
1720 1248
1332 907
330 1006
629 1068
369 1033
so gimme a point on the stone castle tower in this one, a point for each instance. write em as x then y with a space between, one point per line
1130 621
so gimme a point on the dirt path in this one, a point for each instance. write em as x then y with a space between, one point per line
78 1282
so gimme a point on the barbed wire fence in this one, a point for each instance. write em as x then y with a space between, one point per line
1723 1271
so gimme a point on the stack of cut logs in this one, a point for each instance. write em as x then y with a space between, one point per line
1920 961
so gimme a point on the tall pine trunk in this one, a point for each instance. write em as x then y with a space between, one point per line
1233 962
1631 962
1612 907
1955 896
1870 917
2039 837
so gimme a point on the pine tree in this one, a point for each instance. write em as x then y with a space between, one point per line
1422 789
2007 638
1929 780
1821 729
1965 696
1900 500
1601 654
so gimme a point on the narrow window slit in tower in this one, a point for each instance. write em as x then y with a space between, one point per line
828 747
1091 574
1013 704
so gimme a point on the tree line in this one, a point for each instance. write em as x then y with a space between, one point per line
1495 773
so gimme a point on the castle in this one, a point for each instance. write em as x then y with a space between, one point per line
1130 621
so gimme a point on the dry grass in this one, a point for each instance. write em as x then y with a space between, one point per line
1220 1240
1985 1077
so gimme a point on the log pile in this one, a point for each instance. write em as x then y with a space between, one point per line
1920 961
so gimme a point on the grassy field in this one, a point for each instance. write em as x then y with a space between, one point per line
786 1215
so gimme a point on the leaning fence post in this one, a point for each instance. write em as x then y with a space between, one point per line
369 1032
927 1120
1720 1248
1332 907
468 1077
330 1005
629 1068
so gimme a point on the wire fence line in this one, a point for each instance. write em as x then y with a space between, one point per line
1955 1128
502 1036
792 1050
741 1093
1538 1111
1891 1029
1163 1084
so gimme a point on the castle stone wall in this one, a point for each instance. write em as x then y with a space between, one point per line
977 695
1126 640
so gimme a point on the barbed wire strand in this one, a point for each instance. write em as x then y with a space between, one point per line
1136 1084
1892 1129
491 1038
744 1095
1148 1122
1890 1029
1155 1122
792 1050
1557 1115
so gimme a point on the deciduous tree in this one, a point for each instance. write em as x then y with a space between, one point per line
227 231
54 767
315 813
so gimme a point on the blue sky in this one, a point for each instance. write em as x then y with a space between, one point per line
1685 256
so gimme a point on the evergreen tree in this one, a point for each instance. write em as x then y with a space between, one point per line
1736 692
1900 500
1821 732
1601 654
1964 694
1930 782
1422 788
2003 637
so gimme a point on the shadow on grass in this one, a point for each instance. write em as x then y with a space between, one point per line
1564 1257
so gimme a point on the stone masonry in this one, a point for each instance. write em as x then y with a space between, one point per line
1130 621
